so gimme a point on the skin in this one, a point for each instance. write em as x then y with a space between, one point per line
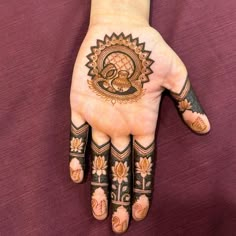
116 123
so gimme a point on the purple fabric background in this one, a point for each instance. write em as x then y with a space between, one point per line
195 177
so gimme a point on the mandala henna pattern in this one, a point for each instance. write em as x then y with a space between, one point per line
119 66
120 194
186 100
99 182
143 159
78 140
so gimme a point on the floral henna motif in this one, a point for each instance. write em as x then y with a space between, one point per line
184 105
99 184
144 166
99 166
187 99
143 158
78 140
120 195
76 145
119 66
187 102
120 172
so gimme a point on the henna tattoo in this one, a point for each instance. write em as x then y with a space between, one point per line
120 194
186 100
198 125
78 141
119 66
120 220
143 158
99 184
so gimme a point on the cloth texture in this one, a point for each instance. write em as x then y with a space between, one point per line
195 176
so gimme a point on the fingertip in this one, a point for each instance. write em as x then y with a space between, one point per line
199 123
99 204
101 217
140 208
76 171
207 126
120 220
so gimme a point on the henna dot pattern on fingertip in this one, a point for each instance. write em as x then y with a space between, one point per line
119 66
190 109
78 141
120 193
142 191
99 184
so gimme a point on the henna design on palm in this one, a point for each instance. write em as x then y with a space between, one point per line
119 66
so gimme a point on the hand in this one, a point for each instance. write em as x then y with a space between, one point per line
116 89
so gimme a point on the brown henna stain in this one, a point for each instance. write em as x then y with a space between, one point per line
119 66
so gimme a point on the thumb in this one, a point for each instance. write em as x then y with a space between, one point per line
189 107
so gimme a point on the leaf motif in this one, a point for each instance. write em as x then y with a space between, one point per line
138 182
148 183
124 188
113 186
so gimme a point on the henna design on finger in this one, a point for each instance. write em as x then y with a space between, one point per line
119 66
142 191
120 220
99 184
78 141
186 101
120 194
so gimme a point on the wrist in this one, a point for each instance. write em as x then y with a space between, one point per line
120 12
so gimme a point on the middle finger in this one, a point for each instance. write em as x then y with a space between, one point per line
121 181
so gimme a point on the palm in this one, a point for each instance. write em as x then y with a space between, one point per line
132 117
